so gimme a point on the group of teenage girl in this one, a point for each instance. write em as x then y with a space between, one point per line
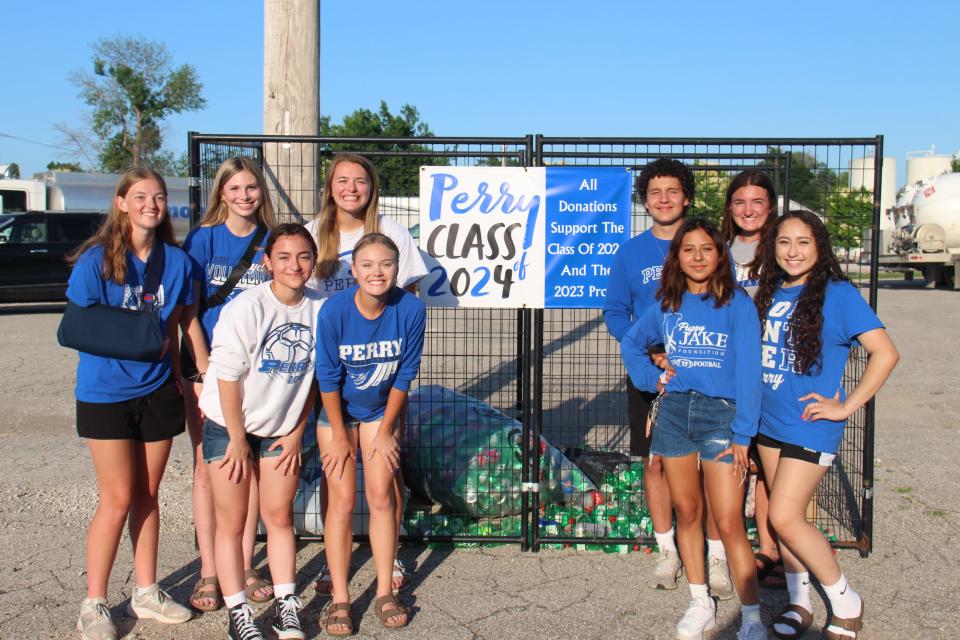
735 341
271 329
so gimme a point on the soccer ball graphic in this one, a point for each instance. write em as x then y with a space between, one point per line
289 343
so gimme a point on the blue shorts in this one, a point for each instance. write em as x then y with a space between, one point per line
215 438
693 423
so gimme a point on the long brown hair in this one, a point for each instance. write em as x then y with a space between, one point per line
673 282
114 233
217 210
806 324
728 226
328 234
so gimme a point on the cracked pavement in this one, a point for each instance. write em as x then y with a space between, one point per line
47 493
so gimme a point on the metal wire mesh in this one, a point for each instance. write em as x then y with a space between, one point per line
579 383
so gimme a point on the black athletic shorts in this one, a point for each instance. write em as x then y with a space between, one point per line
151 418
796 452
638 406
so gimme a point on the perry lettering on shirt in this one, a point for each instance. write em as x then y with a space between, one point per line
214 252
715 352
106 379
363 358
410 270
633 282
845 316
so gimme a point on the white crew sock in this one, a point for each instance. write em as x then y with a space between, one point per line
844 601
699 591
143 590
715 549
749 613
284 590
665 540
235 599
798 586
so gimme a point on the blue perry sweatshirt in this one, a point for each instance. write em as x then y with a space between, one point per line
633 281
364 359
715 352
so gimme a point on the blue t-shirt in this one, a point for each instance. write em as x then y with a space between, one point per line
214 252
845 316
715 352
102 379
633 281
364 359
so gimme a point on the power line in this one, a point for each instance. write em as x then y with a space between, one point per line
44 144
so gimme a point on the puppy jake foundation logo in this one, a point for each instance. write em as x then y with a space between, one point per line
692 346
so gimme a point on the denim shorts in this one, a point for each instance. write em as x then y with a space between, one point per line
215 438
693 423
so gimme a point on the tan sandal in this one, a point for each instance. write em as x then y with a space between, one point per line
258 584
333 620
799 628
848 624
396 610
199 593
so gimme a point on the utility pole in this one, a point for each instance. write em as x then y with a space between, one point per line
291 103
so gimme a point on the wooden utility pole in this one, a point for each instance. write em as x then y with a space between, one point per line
291 103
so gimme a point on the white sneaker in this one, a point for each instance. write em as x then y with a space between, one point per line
752 631
718 578
156 604
95 622
667 570
701 615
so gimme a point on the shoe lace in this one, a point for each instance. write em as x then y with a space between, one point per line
289 607
752 631
244 624
698 609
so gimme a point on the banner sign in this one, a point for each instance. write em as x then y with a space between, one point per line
521 237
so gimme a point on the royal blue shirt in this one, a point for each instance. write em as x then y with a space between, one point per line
633 281
845 316
715 352
214 252
364 359
102 379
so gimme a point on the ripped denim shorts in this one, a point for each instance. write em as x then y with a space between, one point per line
693 423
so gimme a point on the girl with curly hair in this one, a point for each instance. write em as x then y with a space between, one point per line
812 317
707 412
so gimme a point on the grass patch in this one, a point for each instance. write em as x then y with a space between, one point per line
936 512
903 490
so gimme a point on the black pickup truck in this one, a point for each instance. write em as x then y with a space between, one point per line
33 247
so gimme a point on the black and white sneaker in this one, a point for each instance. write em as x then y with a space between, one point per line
242 626
287 622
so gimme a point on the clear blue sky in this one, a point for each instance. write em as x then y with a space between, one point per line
602 68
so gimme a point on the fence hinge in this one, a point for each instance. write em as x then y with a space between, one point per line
868 493
193 181
529 487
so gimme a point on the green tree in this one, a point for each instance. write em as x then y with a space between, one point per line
847 218
955 164
64 166
132 89
399 175
811 182
710 196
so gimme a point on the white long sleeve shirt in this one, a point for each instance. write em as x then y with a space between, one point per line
268 347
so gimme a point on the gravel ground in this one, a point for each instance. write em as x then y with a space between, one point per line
47 494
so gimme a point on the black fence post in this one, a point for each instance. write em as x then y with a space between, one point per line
194 180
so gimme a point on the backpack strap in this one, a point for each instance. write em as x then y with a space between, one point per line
154 272
219 296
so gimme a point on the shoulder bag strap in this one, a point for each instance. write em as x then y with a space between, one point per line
219 296
154 270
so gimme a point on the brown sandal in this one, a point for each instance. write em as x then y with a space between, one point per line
849 624
396 610
799 628
333 620
258 584
199 593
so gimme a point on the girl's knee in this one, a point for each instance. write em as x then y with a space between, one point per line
783 521
729 526
381 498
280 517
688 512
117 501
340 507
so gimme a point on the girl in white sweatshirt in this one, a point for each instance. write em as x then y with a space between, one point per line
262 362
